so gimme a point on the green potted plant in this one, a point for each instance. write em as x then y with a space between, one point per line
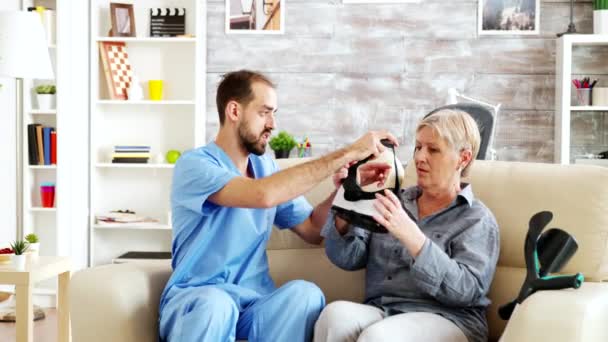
34 244
282 144
46 96
19 247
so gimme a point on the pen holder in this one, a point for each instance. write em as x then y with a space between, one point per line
599 96
47 195
582 97
304 152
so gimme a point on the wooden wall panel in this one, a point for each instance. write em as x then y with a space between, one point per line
344 69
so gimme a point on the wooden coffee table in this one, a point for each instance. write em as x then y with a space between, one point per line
38 269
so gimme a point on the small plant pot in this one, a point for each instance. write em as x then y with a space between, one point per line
281 154
19 261
34 249
46 101
600 21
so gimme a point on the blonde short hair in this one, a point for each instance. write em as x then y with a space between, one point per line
457 128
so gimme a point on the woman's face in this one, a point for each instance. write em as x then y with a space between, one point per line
437 164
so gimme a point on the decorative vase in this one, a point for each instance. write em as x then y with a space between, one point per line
135 91
600 16
46 101
18 261
278 154
34 249
600 21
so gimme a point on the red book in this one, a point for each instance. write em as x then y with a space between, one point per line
53 147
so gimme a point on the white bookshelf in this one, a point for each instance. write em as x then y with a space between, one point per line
61 229
175 123
147 102
43 210
42 167
135 166
563 89
43 112
132 40
142 225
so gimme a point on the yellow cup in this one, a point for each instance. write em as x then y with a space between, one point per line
156 89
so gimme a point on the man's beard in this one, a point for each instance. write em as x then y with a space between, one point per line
252 143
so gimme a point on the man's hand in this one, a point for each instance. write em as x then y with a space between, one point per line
368 173
372 172
342 173
370 144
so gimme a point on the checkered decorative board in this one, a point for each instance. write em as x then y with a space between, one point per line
117 68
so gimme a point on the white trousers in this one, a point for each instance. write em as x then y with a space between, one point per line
343 321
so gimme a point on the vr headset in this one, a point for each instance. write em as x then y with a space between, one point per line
354 203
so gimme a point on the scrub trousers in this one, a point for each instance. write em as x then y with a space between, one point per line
217 313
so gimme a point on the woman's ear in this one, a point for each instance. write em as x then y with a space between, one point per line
466 156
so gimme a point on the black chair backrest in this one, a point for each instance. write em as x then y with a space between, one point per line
485 121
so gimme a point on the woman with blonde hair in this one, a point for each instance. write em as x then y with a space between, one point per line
428 278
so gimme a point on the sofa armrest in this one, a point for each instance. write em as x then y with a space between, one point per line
564 315
117 302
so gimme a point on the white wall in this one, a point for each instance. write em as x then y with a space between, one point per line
7 149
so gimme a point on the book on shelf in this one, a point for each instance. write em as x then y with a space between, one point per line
143 257
122 217
39 145
129 160
131 154
46 133
131 148
53 147
32 145
42 145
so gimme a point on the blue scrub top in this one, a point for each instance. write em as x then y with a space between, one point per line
224 246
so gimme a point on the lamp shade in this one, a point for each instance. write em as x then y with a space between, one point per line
23 48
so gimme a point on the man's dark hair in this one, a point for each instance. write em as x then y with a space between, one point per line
236 86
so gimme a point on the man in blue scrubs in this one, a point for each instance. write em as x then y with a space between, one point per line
225 198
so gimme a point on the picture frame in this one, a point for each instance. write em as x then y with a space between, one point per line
255 16
123 20
379 1
502 17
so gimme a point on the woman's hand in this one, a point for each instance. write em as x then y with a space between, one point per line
394 218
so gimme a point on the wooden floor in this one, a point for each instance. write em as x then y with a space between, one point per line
45 330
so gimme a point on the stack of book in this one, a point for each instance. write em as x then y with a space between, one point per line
42 145
131 154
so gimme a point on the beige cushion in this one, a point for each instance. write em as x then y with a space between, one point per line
514 192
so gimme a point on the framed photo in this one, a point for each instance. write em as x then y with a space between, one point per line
504 17
378 1
123 20
255 16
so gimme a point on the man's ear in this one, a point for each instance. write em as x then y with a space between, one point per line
233 111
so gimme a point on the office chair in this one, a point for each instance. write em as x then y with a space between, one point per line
483 113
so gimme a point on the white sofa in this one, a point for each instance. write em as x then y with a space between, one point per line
120 302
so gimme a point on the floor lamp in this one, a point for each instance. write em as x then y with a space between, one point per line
24 54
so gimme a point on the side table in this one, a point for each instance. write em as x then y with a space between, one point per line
38 269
